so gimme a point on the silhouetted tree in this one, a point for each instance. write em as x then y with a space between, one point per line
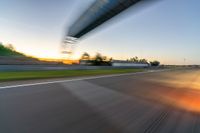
85 56
155 63
98 59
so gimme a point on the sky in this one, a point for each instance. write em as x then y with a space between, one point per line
167 30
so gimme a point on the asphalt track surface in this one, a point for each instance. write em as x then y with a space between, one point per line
156 102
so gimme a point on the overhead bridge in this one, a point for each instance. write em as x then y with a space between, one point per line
98 13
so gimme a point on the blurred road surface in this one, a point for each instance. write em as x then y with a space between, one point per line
159 102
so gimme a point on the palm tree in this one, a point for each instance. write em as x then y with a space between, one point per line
143 61
134 59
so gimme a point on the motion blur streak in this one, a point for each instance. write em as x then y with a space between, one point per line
99 12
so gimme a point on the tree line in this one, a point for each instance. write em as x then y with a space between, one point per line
99 59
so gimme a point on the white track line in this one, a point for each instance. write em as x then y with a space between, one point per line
77 79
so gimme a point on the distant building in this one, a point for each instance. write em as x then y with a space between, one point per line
85 62
119 63
123 63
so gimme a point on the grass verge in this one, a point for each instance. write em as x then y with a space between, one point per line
25 75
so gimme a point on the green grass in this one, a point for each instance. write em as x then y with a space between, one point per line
25 75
